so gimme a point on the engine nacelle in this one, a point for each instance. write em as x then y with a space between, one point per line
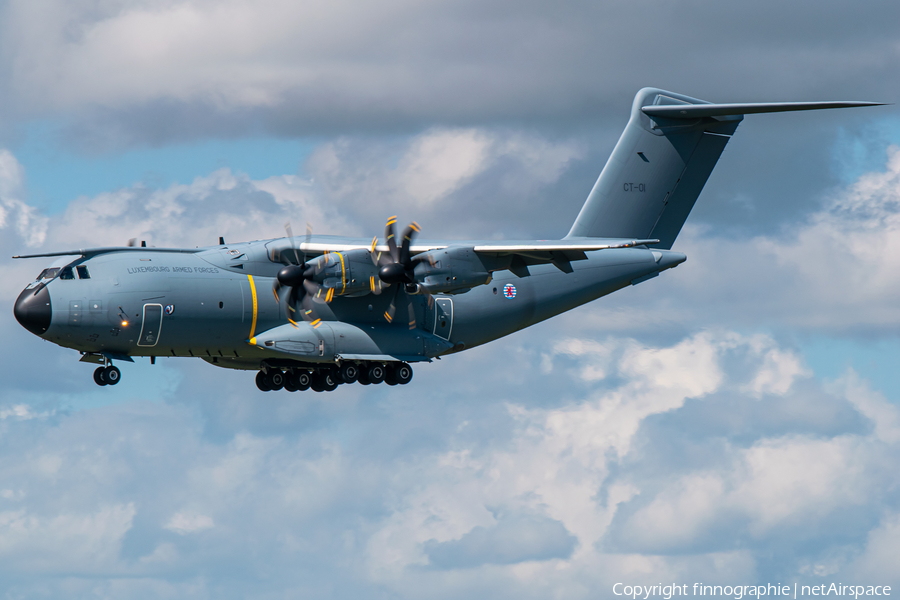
347 273
451 271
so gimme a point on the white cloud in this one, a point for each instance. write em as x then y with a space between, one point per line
88 543
183 523
21 412
569 464
196 214
436 177
836 272
14 212
797 480
378 491
439 162
880 561
354 487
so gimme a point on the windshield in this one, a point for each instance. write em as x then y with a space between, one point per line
48 273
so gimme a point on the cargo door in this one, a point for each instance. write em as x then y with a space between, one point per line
151 326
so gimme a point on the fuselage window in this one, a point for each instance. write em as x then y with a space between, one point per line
82 272
67 273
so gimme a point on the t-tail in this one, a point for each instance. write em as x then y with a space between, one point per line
662 161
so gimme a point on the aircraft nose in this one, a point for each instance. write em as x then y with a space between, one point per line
33 311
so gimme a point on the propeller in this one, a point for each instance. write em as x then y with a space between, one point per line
298 278
396 268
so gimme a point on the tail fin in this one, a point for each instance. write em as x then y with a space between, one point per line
661 163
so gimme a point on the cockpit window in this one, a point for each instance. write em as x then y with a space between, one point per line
83 272
48 273
67 273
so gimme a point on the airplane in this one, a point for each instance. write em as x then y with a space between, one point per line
316 312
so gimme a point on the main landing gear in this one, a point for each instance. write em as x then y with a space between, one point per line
108 375
327 380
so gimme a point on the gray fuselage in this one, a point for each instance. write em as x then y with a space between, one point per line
208 304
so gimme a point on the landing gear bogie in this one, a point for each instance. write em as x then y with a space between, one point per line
328 379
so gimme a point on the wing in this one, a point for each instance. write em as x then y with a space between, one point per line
517 256
90 252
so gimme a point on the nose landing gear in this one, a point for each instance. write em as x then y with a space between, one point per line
108 375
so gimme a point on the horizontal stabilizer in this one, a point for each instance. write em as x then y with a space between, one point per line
697 111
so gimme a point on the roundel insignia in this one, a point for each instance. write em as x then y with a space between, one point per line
509 291
170 308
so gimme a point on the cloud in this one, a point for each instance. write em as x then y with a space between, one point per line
183 523
558 460
494 488
14 212
512 540
449 180
131 73
353 187
833 272
596 466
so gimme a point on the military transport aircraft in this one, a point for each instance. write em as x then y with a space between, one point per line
318 311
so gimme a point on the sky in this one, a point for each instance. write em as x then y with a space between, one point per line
735 421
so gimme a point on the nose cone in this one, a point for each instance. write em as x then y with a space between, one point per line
33 310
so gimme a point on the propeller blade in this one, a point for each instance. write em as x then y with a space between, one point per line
372 252
290 234
308 237
376 285
312 288
408 234
391 242
428 297
276 287
323 262
389 314
293 298
412 312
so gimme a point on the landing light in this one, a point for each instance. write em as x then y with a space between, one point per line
124 323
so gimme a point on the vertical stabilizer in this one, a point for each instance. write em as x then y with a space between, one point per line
656 171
